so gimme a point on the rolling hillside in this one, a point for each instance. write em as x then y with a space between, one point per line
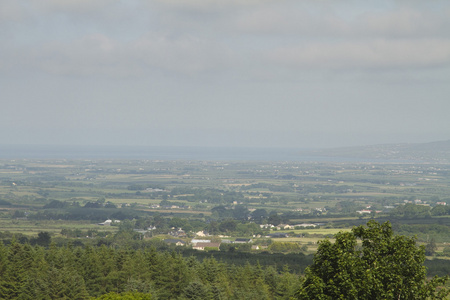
437 152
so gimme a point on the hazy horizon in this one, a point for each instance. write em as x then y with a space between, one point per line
273 147
211 73
172 153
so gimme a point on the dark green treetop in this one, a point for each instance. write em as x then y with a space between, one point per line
385 266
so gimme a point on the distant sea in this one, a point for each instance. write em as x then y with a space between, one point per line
160 153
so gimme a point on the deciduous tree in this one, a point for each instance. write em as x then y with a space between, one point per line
387 266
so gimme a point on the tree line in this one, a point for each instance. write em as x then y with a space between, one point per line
370 262
35 272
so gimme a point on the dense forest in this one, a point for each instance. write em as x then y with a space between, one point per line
35 272
382 262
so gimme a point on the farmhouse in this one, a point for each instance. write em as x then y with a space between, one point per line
195 241
277 235
203 246
285 227
108 222
242 241
175 241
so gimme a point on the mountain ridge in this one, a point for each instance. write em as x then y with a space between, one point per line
430 152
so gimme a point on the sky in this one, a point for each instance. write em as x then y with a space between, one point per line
253 73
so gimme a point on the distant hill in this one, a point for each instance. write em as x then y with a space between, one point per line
437 152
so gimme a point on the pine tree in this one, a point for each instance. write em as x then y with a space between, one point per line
91 271
3 267
15 273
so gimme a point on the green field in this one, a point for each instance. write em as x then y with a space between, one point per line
28 227
51 195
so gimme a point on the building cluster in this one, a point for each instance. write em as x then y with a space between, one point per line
109 222
207 244
287 226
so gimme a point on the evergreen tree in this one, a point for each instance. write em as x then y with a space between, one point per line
91 271
287 285
3 268
196 290
430 247
15 275
124 296
43 239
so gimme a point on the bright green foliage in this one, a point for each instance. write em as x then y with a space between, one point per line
386 267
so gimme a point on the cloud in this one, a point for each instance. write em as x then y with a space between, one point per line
210 5
372 54
93 54
12 11
98 54
74 6
187 54
35 13
405 23
191 37
101 55
286 20
306 22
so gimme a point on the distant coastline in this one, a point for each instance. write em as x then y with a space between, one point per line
160 153
169 153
